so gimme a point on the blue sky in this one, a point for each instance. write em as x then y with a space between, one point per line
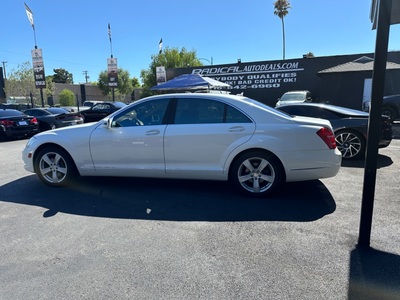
73 34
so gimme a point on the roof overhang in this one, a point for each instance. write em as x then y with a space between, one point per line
395 12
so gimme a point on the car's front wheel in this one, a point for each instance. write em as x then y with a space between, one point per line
351 144
55 167
256 173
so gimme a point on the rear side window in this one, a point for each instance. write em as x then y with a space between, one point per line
235 116
207 111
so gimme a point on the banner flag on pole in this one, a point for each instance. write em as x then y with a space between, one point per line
29 13
160 46
109 31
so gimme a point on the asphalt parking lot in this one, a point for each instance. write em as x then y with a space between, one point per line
109 238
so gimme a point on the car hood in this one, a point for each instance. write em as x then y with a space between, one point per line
70 131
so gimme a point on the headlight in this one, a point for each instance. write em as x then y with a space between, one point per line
30 142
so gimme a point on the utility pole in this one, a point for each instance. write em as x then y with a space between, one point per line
4 68
86 75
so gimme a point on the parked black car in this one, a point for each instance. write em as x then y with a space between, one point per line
350 126
390 106
54 117
100 111
16 124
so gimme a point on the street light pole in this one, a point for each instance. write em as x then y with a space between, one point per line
4 69
378 86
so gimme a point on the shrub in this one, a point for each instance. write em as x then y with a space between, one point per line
66 98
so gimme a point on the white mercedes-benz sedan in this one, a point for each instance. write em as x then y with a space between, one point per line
190 136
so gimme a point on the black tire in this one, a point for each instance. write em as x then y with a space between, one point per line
391 112
55 167
350 143
256 173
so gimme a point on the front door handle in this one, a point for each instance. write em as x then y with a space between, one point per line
153 132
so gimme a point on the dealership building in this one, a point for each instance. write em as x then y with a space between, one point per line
343 80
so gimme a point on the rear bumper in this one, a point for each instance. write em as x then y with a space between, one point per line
313 165
10 132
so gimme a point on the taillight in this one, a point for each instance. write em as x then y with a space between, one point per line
34 121
6 122
328 137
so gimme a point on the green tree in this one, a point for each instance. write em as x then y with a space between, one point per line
66 98
62 76
135 82
309 55
169 58
124 84
21 83
50 86
281 9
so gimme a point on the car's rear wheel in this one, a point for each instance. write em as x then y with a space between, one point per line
55 167
350 143
256 173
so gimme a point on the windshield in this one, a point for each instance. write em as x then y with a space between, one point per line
293 96
56 110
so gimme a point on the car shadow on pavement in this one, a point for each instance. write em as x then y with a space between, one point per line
171 200
374 275
382 162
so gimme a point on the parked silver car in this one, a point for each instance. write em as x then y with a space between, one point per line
190 136
292 97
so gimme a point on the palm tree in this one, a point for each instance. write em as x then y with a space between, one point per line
281 10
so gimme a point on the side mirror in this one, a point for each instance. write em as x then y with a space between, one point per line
109 122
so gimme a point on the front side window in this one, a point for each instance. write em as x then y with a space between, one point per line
101 106
146 113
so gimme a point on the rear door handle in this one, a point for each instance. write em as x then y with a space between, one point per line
236 129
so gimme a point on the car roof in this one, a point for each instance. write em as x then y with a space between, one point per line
239 101
334 108
297 91
199 95
115 103
35 108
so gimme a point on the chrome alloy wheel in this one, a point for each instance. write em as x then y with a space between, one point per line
256 175
349 144
53 167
